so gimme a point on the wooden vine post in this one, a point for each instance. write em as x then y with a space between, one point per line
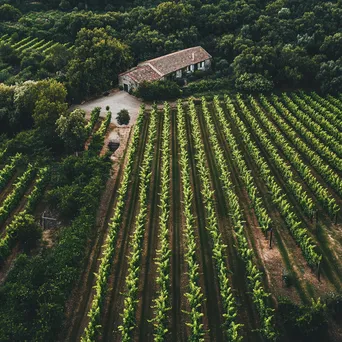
319 270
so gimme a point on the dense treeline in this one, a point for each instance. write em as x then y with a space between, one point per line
259 45
34 121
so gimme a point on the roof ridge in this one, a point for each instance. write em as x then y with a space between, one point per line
154 68
170 54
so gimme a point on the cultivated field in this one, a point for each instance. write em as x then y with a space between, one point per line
224 208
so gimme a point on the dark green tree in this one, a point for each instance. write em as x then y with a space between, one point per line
123 117
98 60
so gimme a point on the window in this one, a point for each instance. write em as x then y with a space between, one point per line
200 65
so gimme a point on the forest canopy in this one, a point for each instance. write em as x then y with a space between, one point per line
258 45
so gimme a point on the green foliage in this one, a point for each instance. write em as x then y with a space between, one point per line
253 83
158 90
98 137
305 321
123 117
9 13
94 117
98 58
37 287
107 258
330 76
207 85
71 128
23 229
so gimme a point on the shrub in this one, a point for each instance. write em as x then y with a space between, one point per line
253 83
123 117
207 85
158 90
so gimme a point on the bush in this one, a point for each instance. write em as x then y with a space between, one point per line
253 83
207 85
123 117
158 90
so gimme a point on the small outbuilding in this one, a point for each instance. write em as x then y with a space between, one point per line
174 65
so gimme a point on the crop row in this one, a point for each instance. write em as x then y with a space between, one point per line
254 276
134 265
263 218
322 168
321 193
94 116
279 198
326 114
7 172
325 144
107 256
285 170
194 293
15 196
20 221
163 259
229 304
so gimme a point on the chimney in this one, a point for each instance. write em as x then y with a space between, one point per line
193 56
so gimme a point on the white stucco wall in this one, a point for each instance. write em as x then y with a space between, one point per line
124 79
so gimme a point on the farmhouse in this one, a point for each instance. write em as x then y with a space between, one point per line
175 65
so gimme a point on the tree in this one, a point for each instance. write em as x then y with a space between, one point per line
6 106
123 117
71 128
332 46
9 13
25 97
50 105
330 76
98 60
171 16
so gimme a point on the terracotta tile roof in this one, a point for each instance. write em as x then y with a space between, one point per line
177 60
156 68
142 73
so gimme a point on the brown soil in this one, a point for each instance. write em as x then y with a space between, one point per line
79 304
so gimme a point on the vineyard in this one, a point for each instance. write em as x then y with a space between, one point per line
24 48
227 211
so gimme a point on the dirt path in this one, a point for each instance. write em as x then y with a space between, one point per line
113 305
147 283
79 304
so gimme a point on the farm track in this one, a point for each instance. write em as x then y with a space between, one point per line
116 285
177 317
212 314
80 307
147 286
330 261
246 312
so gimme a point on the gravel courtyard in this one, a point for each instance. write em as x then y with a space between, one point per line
116 101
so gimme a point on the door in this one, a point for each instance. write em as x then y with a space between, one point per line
126 87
